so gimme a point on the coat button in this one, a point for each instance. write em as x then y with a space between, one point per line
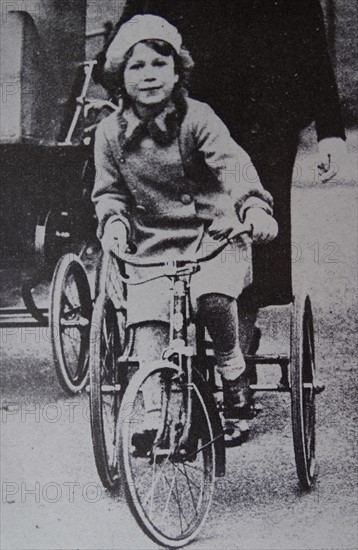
186 198
140 208
122 160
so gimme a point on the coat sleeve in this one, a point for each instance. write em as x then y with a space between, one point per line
328 117
110 194
231 165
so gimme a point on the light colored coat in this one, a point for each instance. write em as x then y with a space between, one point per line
168 181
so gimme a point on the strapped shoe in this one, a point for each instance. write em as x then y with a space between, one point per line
238 398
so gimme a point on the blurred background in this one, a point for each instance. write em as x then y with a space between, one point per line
341 23
43 44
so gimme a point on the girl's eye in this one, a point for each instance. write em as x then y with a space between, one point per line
135 66
159 63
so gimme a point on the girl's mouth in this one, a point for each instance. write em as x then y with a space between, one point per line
151 89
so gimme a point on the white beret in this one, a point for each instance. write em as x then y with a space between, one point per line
137 29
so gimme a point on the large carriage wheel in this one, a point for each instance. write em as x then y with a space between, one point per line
107 380
303 390
70 317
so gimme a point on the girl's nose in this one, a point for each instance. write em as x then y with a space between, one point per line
148 74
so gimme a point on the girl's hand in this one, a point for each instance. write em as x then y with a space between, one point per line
264 226
114 237
224 227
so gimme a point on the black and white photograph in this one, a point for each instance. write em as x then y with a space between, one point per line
178 274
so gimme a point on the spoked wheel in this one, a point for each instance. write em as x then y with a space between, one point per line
107 384
166 454
303 390
70 318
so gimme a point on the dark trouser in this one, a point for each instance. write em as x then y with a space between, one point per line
273 152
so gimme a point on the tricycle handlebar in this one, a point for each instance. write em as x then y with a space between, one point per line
124 256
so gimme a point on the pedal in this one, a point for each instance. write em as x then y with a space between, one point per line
255 409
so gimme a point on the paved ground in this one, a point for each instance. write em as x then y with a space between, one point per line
51 495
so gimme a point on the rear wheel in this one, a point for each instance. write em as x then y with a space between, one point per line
303 390
168 463
70 318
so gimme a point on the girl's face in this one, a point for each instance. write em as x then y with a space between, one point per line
149 77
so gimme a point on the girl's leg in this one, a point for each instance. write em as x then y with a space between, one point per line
149 341
219 314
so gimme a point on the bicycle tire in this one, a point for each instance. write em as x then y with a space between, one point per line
202 446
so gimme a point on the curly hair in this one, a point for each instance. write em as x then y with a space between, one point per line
183 66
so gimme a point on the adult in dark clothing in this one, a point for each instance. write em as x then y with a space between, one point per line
277 79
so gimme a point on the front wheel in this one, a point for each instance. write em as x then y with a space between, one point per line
166 453
303 390
70 318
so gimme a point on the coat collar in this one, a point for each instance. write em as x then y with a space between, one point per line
163 129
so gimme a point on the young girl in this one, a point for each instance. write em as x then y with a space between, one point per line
171 179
